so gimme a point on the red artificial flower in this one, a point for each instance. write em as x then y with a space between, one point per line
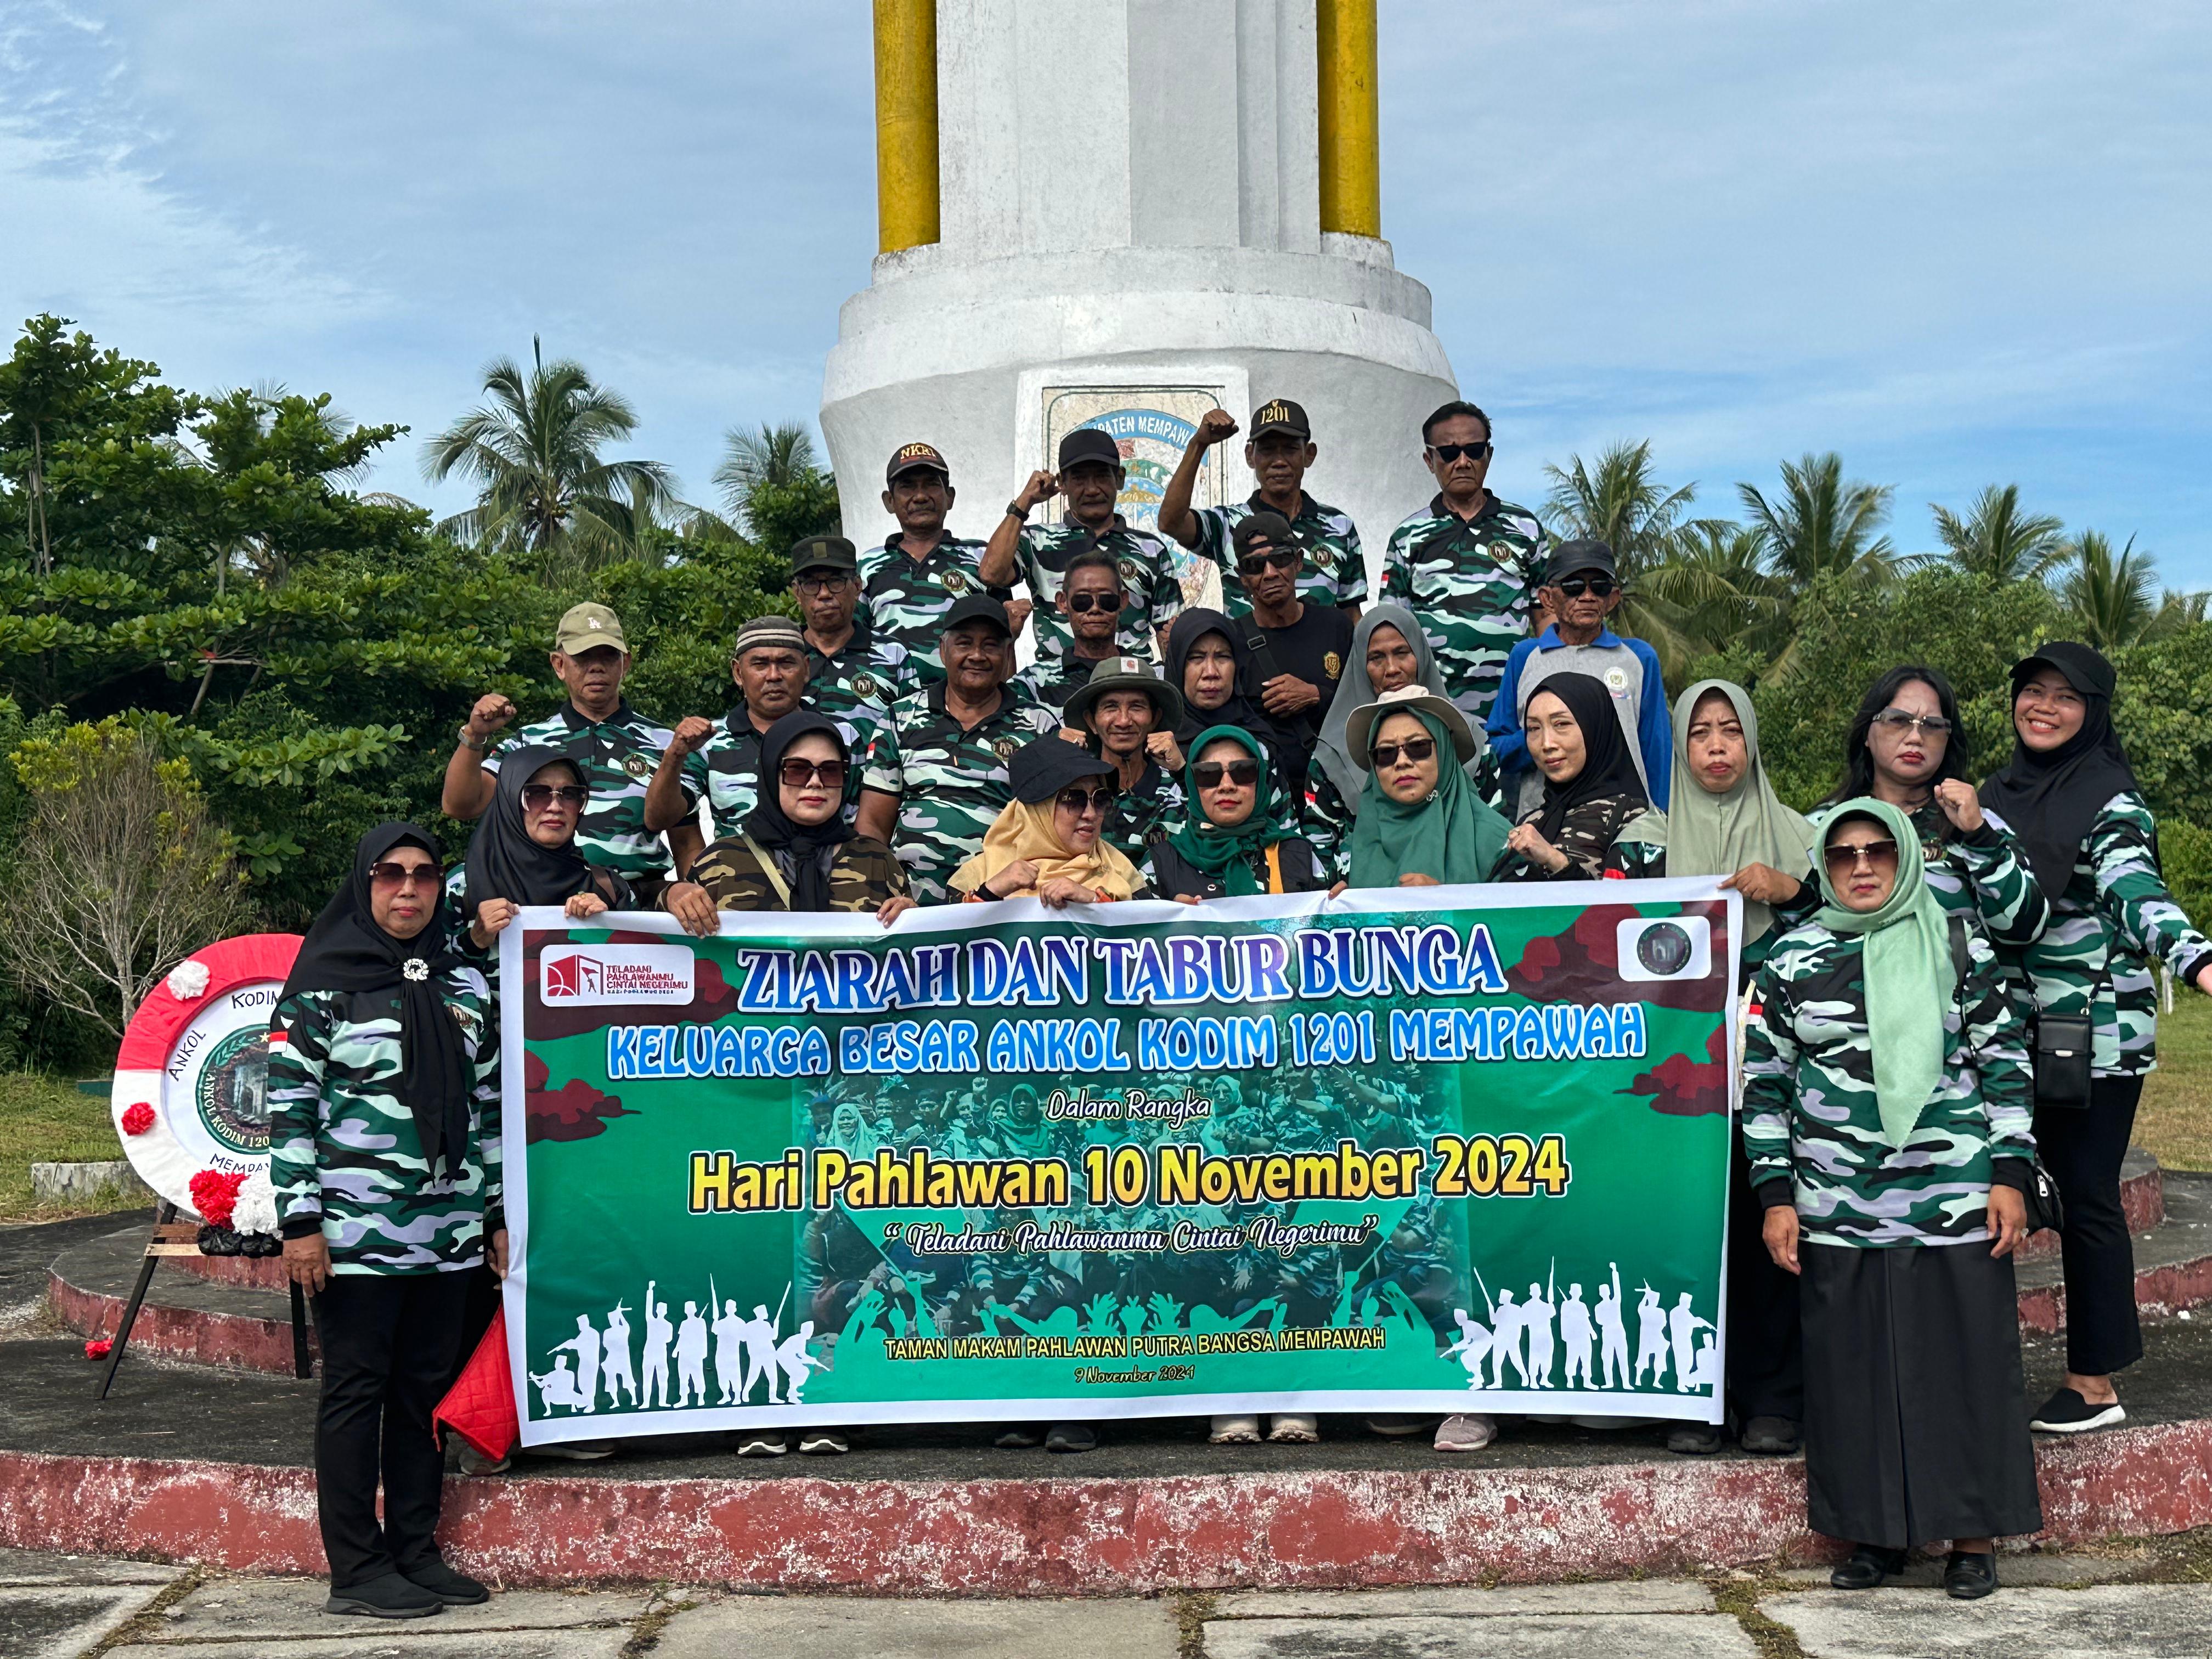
215 1196
138 1119
98 1348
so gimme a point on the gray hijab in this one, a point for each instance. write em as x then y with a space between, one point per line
1332 753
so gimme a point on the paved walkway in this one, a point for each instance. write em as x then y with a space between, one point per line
2054 1608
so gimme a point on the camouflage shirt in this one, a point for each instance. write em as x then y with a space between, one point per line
618 757
343 1148
1151 592
903 601
1811 1117
725 769
1981 876
951 781
1327 822
2115 918
1053 683
1335 570
1586 836
862 875
870 669
1150 812
1469 581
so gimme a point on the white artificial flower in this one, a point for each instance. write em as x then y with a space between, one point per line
187 981
415 969
257 1205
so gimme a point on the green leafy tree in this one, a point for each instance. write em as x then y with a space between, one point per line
1997 540
772 486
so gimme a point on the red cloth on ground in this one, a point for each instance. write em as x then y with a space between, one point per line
480 1406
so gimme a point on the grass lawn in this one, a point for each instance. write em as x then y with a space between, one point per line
2175 1121
46 1121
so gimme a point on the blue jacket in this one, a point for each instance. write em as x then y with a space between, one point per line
1654 719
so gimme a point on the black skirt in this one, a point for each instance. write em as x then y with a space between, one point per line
1915 1411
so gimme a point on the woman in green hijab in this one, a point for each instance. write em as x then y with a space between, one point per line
1421 823
1236 841
1888 1117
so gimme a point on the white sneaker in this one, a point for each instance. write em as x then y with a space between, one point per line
1468 1432
1241 1428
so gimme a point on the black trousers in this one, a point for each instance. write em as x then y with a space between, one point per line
2083 1149
1766 1350
390 1343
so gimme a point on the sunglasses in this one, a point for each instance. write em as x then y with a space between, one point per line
1575 586
1275 558
1896 720
1084 604
1085 800
1877 855
1450 453
1414 749
394 874
537 797
798 774
1207 774
824 584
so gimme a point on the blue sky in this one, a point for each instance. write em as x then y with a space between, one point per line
1961 244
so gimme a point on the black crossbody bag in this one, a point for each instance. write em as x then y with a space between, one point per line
2044 1212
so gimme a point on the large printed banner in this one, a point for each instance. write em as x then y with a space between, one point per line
1430 1150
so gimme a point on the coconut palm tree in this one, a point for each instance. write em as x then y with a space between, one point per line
535 450
2113 597
1618 501
774 456
1821 526
1714 593
1997 540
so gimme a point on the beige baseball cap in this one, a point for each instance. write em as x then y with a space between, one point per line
587 626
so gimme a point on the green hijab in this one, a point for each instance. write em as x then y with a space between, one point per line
1451 835
1907 967
1224 851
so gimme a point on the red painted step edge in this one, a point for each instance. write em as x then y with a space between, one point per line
1068 1536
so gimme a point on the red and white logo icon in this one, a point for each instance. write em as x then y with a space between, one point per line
591 975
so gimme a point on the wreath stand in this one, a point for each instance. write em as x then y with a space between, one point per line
173 1238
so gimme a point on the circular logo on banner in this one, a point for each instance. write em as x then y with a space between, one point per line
231 1093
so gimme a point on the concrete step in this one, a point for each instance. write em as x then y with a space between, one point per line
2173 1261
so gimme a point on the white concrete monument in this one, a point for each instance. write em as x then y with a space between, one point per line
1119 213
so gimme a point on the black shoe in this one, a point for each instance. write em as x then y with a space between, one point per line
1870 1566
1772 1437
1969 1578
2067 1413
455 1589
824 1443
1071 1438
390 1597
764 1443
1693 1439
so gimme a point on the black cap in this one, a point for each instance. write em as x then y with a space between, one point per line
824 553
976 607
907 457
1088 443
1271 528
1570 556
1043 768
1281 415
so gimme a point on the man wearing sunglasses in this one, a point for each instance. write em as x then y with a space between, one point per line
847 663
1089 481
908 584
1466 563
1582 589
1281 450
614 746
1090 606
1299 649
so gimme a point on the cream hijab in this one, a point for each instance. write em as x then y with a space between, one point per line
1024 830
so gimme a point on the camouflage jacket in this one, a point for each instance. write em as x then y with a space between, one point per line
725 769
862 875
1052 683
1151 591
1335 570
342 1148
1327 822
870 672
1811 1118
618 757
1645 860
1152 811
904 602
950 781
1469 581
1982 876
2114 919
1586 837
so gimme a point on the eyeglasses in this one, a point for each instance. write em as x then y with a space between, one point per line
1876 855
818 585
537 797
798 774
1449 452
395 874
1414 749
1083 800
1275 558
1575 586
1207 774
1896 720
1084 604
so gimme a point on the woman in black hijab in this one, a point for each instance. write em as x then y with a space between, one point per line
2072 802
1210 662
384 1136
1591 785
523 850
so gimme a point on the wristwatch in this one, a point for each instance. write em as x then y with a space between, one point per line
1015 510
469 740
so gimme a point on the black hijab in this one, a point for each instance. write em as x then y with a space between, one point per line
346 951
1608 766
774 832
2050 799
1242 709
503 861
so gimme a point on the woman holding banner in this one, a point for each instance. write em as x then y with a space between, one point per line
1591 785
1049 842
524 852
1237 840
1887 1114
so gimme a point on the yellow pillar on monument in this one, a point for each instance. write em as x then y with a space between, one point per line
1351 154
906 124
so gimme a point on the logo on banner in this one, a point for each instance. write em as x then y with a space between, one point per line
597 974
